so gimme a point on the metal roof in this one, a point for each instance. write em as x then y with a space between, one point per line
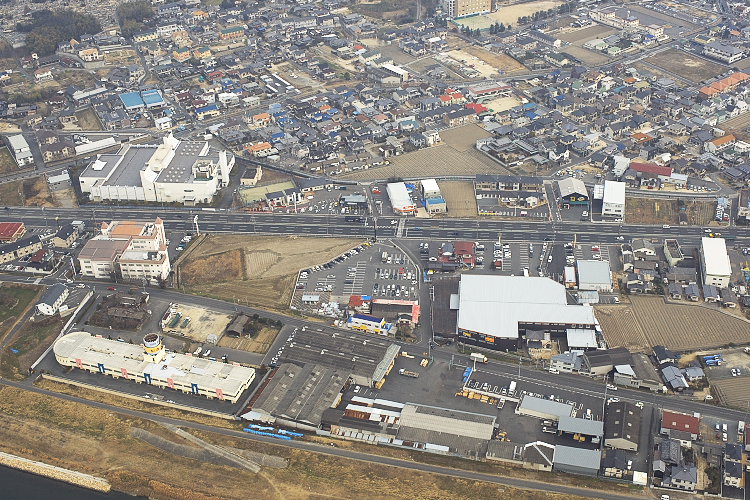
578 457
716 259
580 426
448 421
593 272
547 406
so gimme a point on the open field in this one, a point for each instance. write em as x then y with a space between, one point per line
587 56
260 343
29 192
650 321
88 120
665 211
644 14
502 62
99 442
507 14
581 36
436 161
28 344
13 301
459 196
7 162
464 138
738 126
254 270
686 65
734 392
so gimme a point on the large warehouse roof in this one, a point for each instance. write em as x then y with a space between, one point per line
495 305
185 370
716 257
448 421
593 273
399 197
531 405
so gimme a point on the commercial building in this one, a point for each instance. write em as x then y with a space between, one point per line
613 201
151 364
573 191
369 324
715 264
542 408
622 426
135 250
594 275
430 188
188 172
296 396
493 311
52 299
20 150
400 198
576 460
463 8
11 231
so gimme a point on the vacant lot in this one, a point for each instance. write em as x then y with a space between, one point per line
579 37
650 321
587 56
27 345
254 270
13 302
459 196
88 120
7 163
202 323
507 14
665 211
436 161
504 63
464 138
686 65
29 192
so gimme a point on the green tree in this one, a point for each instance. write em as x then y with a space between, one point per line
131 16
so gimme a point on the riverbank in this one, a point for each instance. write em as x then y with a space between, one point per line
19 484
53 472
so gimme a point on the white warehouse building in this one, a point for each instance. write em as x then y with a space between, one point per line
613 202
151 364
188 172
400 199
715 264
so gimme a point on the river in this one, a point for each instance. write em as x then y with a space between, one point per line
20 485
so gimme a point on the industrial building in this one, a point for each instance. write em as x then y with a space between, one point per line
136 250
715 264
296 396
52 299
188 172
541 408
576 460
613 199
494 311
622 426
400 198
151 364
594 275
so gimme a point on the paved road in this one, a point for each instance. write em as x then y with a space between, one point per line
337 452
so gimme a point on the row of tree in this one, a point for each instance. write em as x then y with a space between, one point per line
47 28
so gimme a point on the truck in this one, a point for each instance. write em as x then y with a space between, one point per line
407 373
479 358
512 387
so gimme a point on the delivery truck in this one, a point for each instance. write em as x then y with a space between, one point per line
479 358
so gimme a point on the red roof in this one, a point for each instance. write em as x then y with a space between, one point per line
478 108
680 422
11 230
356 301
651 168
38 255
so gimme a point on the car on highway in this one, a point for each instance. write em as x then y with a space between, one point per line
112 288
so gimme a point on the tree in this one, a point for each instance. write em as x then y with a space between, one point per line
47 28
131 16
502 28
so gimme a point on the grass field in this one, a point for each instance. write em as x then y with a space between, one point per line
7 162
88 120
13 302
27 345
665 211
650 321
28 192
460 198
254 270
686 65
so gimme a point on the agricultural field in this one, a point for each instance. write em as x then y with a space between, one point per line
436 161
733 392
459 197
649 321
665 211
254 270
685 65
7 162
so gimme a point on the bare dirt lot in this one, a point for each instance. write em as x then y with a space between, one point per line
579 37
460 198
254 270
506 64
507 14
260 343
664 211
650 321
589 57
32 192
88 120
686 65
7 163
203 322
464 138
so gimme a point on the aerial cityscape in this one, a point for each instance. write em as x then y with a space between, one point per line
296 249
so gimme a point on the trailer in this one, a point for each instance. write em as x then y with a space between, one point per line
407 373
478 357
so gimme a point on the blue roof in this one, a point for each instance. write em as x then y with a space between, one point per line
131 100
203 109
151 97
431 201
367 317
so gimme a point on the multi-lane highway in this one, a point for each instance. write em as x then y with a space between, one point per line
371 227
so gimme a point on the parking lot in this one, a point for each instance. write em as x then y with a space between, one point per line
379 270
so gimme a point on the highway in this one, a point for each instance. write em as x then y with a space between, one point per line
379 227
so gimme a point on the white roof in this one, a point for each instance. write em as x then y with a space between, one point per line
571 185
716 257
593 272
430 185
495 305
18 142
614 192
581 338
399 196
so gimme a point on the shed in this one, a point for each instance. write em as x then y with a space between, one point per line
576 460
